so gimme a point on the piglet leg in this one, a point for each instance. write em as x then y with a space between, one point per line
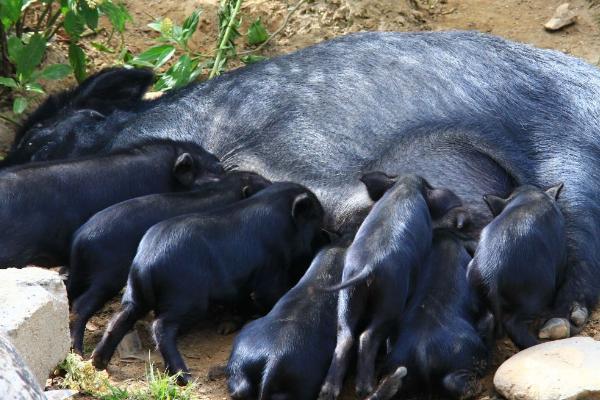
389 386
119 326
165 335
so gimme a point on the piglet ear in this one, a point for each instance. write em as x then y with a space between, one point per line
555 190
304 207
246 191
377 183
495 204
440 201
184 169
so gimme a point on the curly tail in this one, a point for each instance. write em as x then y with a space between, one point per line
355 280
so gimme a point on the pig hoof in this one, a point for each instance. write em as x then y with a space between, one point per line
579 314
556 328
363 391
99 362
183 379
328 393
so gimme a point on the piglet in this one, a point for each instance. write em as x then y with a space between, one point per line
285 354
257 248
445 332
520 259
43 203
380 268
104 247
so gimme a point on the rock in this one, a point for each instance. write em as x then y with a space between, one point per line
579 314
563 16
556 328
130 347
34 315
152 95
566 369
16 380
61 394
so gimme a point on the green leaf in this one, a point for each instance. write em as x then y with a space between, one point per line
180 74
56 71
10 12
156 25
30 56
19 105
8 82
116 14
155 56
77 61
15 47
90 15
189 26
34 87
101 47
251 59
74 24
257 33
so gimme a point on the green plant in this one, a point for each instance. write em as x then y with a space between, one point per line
176 64
28 26
80 375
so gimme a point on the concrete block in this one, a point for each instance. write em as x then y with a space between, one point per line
34 315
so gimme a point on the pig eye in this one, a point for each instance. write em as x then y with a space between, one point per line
30 144
38 125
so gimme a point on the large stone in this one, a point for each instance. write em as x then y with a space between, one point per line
16 380
566 369
34 315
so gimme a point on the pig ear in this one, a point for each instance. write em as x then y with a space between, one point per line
246 191
440 201
495 204
303 207
555 190
377 183
113 88
184 169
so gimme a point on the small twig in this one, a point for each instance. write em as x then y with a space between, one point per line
277 32
225 39
12 121
40 20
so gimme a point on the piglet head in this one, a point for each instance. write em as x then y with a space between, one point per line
377 183
445 207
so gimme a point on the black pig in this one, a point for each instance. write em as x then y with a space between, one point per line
44 203
520 259
285 355
104 247
257 248
444 333
379 269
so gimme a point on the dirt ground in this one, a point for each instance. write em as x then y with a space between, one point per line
318 20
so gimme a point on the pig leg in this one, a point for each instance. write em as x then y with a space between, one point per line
461 384
350 309
518 331
370 342
119 326
389 386
165 336
84 307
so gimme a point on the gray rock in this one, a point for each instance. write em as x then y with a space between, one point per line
16 380
556 328
563 16
34 315
566 369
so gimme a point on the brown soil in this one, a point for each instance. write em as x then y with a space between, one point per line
315 21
